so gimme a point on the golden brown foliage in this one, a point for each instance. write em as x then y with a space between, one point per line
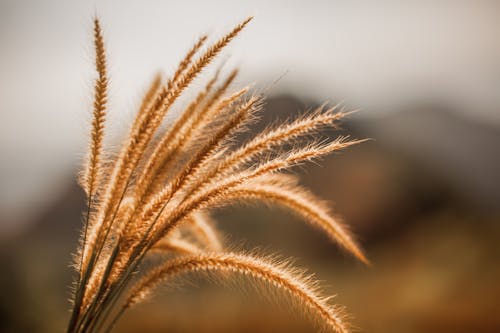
156 195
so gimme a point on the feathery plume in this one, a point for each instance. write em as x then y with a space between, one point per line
155 195
148 98
203 228
304 204
272 138
276 275
217 193
92 171
132 152
176 245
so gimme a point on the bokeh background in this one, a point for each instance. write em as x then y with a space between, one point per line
423 196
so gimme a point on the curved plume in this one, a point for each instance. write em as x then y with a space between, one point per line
279 276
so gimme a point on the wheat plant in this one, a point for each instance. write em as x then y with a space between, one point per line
152 199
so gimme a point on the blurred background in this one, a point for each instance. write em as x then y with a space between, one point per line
423 196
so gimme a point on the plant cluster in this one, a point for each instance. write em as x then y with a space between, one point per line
152 199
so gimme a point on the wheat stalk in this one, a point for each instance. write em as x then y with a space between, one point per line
155 195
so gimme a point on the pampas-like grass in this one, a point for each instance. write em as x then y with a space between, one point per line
278 275
155 195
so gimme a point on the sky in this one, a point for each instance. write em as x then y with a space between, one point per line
378 56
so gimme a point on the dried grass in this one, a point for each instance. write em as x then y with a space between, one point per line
156 195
